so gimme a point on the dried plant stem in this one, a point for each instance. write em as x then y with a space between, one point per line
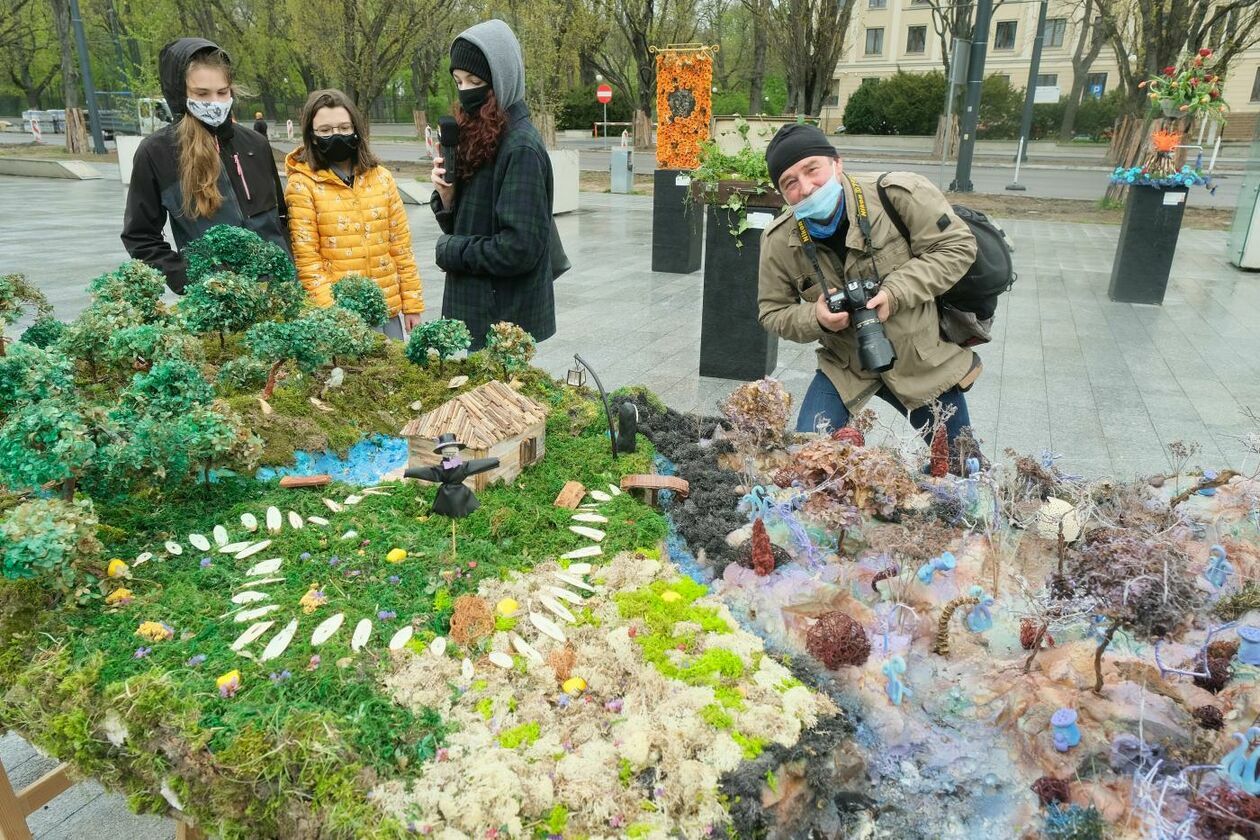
1220 481
941 646
1036 646
1098 655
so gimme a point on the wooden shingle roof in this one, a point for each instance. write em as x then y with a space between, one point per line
484 416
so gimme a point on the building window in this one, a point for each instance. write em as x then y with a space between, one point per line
1255 87
529 451
1056 28
1096 85
1048 80
878 4
871 80
916 39
1097 32
919 2
1004 38
875 41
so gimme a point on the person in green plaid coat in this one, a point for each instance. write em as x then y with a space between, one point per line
496 217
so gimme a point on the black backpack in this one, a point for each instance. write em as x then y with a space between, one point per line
967 309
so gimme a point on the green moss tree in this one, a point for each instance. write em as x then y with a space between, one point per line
45 442
170 388
45 332
444 338
17 295
276 342
49 538
343 334
141 346
134 283
362 296
87 337
222 303
225 248
30 375
510 347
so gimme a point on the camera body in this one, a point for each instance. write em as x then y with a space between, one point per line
875 351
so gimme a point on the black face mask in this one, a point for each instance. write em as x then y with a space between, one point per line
339 147
471 99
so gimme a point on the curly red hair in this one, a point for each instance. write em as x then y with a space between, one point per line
479 136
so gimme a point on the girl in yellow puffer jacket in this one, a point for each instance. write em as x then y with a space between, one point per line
345 213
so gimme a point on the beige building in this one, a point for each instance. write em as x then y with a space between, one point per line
890 35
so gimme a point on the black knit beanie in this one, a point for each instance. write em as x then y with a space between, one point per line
792 144
466 56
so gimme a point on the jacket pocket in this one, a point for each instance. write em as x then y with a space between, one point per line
933 351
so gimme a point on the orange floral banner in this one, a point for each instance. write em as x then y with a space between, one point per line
684 99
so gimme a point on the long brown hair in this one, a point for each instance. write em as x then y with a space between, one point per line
479 136
199 151
333 98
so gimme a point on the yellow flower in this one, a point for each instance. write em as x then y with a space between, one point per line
117 568
669 596
507 607
396 555
229 683
121 596
313 599
155 631
574 685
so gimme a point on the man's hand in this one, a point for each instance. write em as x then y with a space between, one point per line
834 321
411 320
882 303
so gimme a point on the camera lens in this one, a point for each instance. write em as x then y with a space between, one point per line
875 351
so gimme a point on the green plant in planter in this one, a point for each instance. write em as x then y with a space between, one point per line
510 347
275 343
444 338
16 294
362 296
133 283
48 441
45 332
49 538
222 303
139 347
29 375
747 167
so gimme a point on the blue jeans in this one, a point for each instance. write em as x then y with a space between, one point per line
822 398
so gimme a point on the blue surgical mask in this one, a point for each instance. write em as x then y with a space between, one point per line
821 204
213 114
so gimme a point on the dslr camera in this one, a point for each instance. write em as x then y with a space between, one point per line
875 351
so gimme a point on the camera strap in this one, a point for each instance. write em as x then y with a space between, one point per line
864 223
811 251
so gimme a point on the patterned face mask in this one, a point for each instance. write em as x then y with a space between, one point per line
213 114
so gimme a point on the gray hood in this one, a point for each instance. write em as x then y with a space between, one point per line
498 43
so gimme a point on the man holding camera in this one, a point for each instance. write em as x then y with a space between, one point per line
836 270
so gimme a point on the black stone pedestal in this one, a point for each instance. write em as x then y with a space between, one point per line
733 345
677 223
1148 240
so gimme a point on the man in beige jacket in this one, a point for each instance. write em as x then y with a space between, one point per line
904 282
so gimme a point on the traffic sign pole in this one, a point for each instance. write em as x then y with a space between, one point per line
603 94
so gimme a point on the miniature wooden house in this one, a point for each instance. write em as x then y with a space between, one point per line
493 421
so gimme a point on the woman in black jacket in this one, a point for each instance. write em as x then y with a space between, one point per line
203 170
496 218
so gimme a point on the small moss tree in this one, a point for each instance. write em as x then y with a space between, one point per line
225 248
444 338
49 538
45 332
30 375
87 337
362 296
343 333
277 342
222 303
510 347
44 442
170 388
17 294
141 346
136 284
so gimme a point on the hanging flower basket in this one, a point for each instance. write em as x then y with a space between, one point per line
1191 89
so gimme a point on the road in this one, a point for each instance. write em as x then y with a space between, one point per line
1041 180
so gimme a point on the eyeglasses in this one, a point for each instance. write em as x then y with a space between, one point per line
330 130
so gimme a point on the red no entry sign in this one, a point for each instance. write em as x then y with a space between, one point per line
603 93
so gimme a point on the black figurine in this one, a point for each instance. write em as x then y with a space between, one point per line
454 498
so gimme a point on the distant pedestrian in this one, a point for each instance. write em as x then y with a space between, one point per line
260 125
202 170
346 214
496 244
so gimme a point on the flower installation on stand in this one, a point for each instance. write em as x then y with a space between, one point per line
684 96
1191 89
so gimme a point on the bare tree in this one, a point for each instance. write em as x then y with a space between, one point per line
808 36
1090 41
627 60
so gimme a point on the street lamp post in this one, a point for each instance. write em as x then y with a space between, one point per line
971 111
89 89
1025 125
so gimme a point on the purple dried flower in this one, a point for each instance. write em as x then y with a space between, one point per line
205 562
614 705
395 579
386 615
334 560
141 652
305 555
194 661
314 663
280 677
